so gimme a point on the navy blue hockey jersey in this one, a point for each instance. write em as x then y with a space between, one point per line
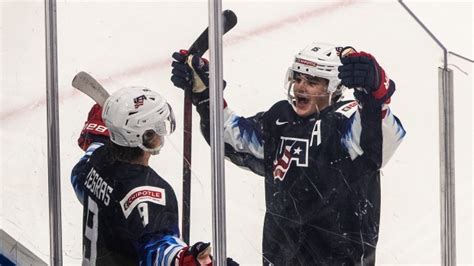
322 179
130 214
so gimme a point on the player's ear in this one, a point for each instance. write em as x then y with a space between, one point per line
151 139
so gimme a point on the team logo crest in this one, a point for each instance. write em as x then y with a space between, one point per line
139 101
290 150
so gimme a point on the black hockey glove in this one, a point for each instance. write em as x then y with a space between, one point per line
361 71
190 71
197 254
181 73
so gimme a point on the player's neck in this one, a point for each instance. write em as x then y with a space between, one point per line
142 160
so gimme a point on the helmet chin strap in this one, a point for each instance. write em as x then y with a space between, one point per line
317 108
330 98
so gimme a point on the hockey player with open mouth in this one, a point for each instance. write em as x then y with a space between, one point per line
320 153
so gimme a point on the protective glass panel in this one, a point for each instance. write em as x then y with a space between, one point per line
308 202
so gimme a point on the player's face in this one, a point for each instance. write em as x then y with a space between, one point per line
310 94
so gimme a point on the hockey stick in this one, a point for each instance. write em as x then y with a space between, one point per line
199 47
89 86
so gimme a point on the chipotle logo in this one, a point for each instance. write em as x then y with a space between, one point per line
149 194
142 194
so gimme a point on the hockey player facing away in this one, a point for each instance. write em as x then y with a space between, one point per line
319 151
130 212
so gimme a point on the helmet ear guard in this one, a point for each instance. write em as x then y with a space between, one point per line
149 142
131 112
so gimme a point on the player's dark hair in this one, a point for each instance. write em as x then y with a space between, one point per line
121 153
128 154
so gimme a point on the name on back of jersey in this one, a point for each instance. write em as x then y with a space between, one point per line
98 187
142 194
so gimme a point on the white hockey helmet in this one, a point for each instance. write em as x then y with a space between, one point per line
318 60
131 111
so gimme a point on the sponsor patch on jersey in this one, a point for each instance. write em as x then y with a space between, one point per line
348 109
141 194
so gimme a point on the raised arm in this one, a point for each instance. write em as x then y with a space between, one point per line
373 131
93 135
242 136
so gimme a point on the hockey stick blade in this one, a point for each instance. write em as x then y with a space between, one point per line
200 46
91 87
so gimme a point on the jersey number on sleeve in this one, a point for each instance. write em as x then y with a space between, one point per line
92 224
143 211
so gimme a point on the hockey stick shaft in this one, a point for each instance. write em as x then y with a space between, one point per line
199 47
